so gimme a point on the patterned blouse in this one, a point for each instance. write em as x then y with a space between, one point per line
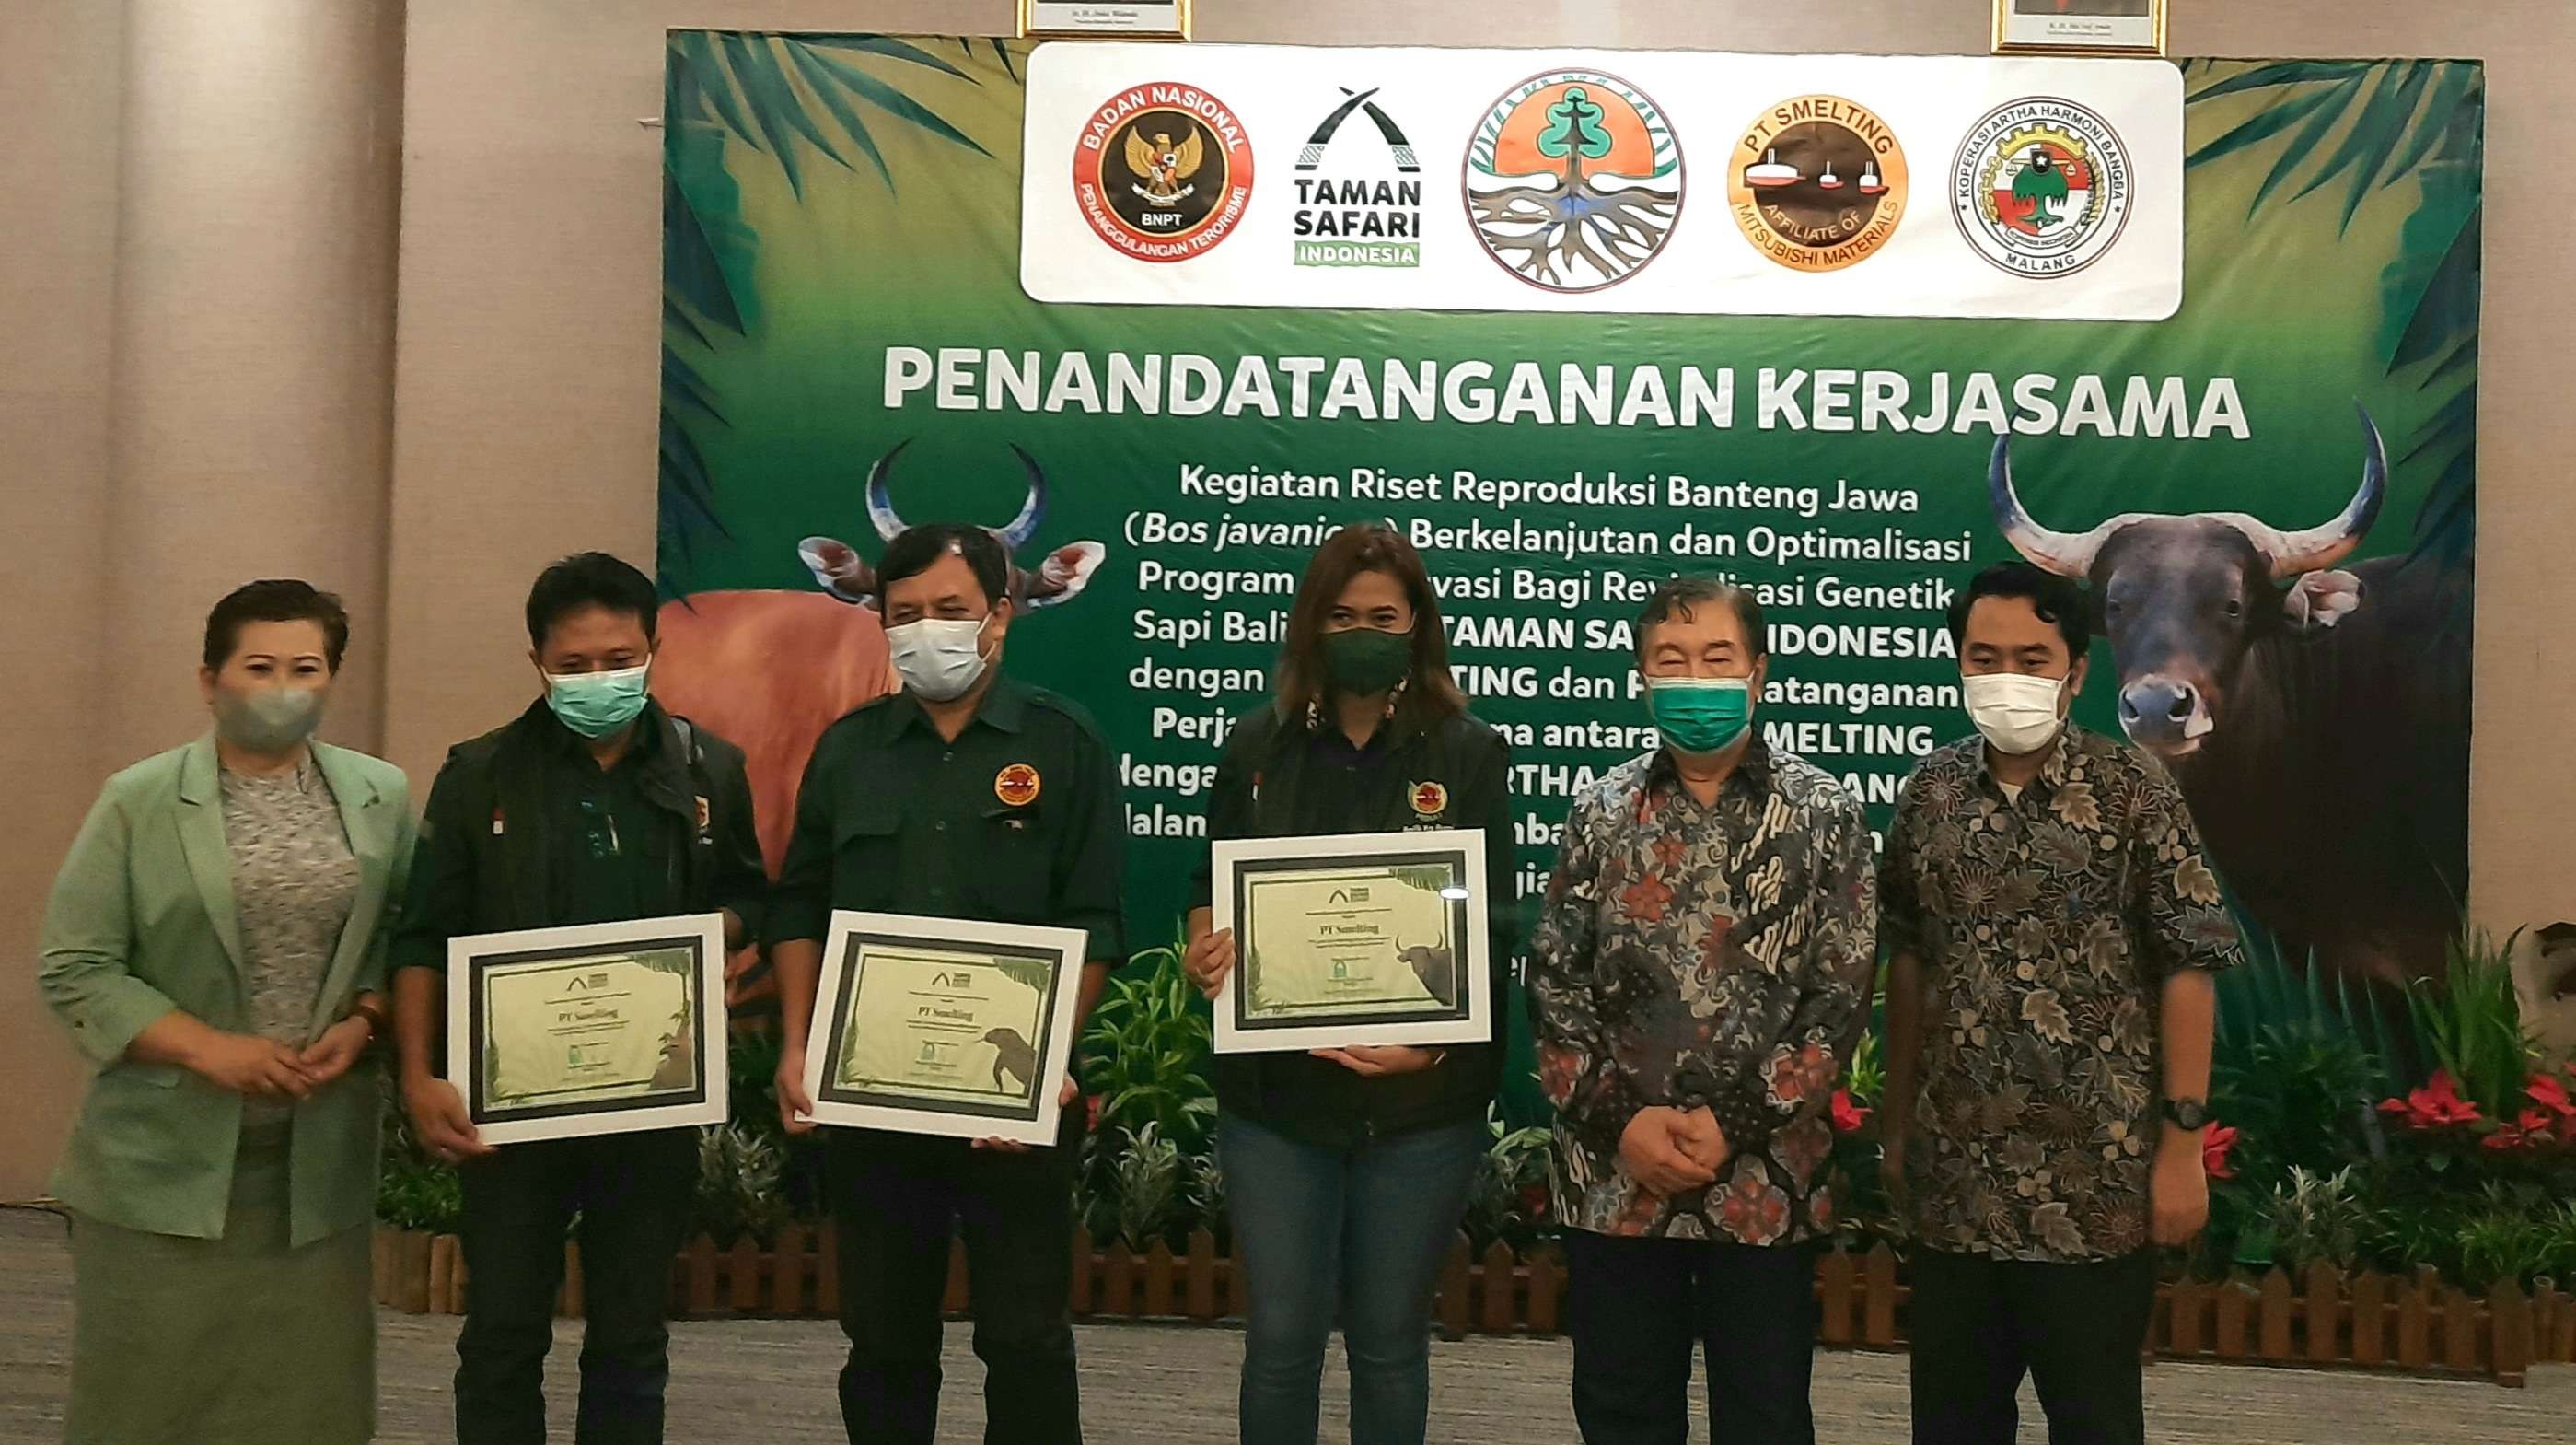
294 881
1719 956
2046 925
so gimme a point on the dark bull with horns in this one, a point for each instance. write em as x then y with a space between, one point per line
2316 719
1059 578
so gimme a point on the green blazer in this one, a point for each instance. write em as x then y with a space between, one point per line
142 921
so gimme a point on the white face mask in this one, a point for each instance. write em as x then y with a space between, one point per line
2016 712
939 659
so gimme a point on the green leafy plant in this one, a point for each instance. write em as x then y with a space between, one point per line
2518 1233
2298 1098
1508 1198
2317 1217
2269 1002
1207 1193
2472 1018
1147 1179
738 1194
1146 1053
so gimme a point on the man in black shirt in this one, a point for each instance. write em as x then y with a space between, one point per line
595 806
970 796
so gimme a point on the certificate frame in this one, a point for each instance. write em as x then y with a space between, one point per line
692 942
1240 863
947 1014
1103 20
2086 27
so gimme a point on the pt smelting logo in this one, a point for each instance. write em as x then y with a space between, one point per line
1817 183
1367 209
2041 187
1574 180
1163 172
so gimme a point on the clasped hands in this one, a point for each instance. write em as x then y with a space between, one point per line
1673 1151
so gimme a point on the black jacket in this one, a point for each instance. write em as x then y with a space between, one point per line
486 860
1257 795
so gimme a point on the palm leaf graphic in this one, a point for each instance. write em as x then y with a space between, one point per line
792 98
2389 121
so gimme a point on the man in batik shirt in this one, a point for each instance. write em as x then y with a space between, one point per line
2051 925
1699 974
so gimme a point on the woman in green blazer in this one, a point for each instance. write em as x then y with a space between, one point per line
215 944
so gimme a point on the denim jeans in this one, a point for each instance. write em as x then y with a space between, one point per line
634 1193
1355 1234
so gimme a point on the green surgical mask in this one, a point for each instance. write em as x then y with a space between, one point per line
595 704
1700 714
1364 662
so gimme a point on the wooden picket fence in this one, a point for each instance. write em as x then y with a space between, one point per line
2321 1318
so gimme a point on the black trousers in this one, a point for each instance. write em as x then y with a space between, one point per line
897 1200
1979 1324
1637 1307
634 1194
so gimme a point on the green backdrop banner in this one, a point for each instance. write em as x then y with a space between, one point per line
842 295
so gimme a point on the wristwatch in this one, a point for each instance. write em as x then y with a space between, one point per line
2187 1113
378 1030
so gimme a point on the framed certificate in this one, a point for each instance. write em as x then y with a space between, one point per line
1371 938
599 1029
944 1026
2079 27
1106 19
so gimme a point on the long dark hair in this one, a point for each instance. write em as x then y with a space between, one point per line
1429 692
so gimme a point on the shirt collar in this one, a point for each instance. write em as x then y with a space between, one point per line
2052 771
1005 707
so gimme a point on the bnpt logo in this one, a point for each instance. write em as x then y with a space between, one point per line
1358 204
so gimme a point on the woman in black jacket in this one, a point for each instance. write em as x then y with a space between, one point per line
1346 1169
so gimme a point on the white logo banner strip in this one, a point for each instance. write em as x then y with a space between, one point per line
1603 181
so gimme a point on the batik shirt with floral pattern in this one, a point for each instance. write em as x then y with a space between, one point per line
2047 925
1719 956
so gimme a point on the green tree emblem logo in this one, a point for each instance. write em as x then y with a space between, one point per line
1574 133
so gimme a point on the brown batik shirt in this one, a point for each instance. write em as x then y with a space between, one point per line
1718 956
2047 925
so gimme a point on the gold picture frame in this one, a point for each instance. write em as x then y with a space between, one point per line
1105 19
2080 27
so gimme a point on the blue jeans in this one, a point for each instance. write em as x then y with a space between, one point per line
1358 1233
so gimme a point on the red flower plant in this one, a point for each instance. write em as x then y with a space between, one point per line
2550 1093
2214 1147
1091 1107
2437 1105
1848 1117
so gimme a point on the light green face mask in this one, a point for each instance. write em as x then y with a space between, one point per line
595 704
1700 714
267 720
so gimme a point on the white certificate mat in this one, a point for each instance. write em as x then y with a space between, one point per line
1360 938
944 1026
605 1028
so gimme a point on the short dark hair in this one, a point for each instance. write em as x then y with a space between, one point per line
2056 599
276 600
1675 601
589 579
916 550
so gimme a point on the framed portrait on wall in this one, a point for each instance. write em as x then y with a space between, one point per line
1105 19
2079 27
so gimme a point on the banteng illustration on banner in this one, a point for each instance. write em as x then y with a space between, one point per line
2248 424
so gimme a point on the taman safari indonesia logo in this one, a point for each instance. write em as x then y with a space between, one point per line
1163 172
1817 183
2040 187
1359 203
1574 180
